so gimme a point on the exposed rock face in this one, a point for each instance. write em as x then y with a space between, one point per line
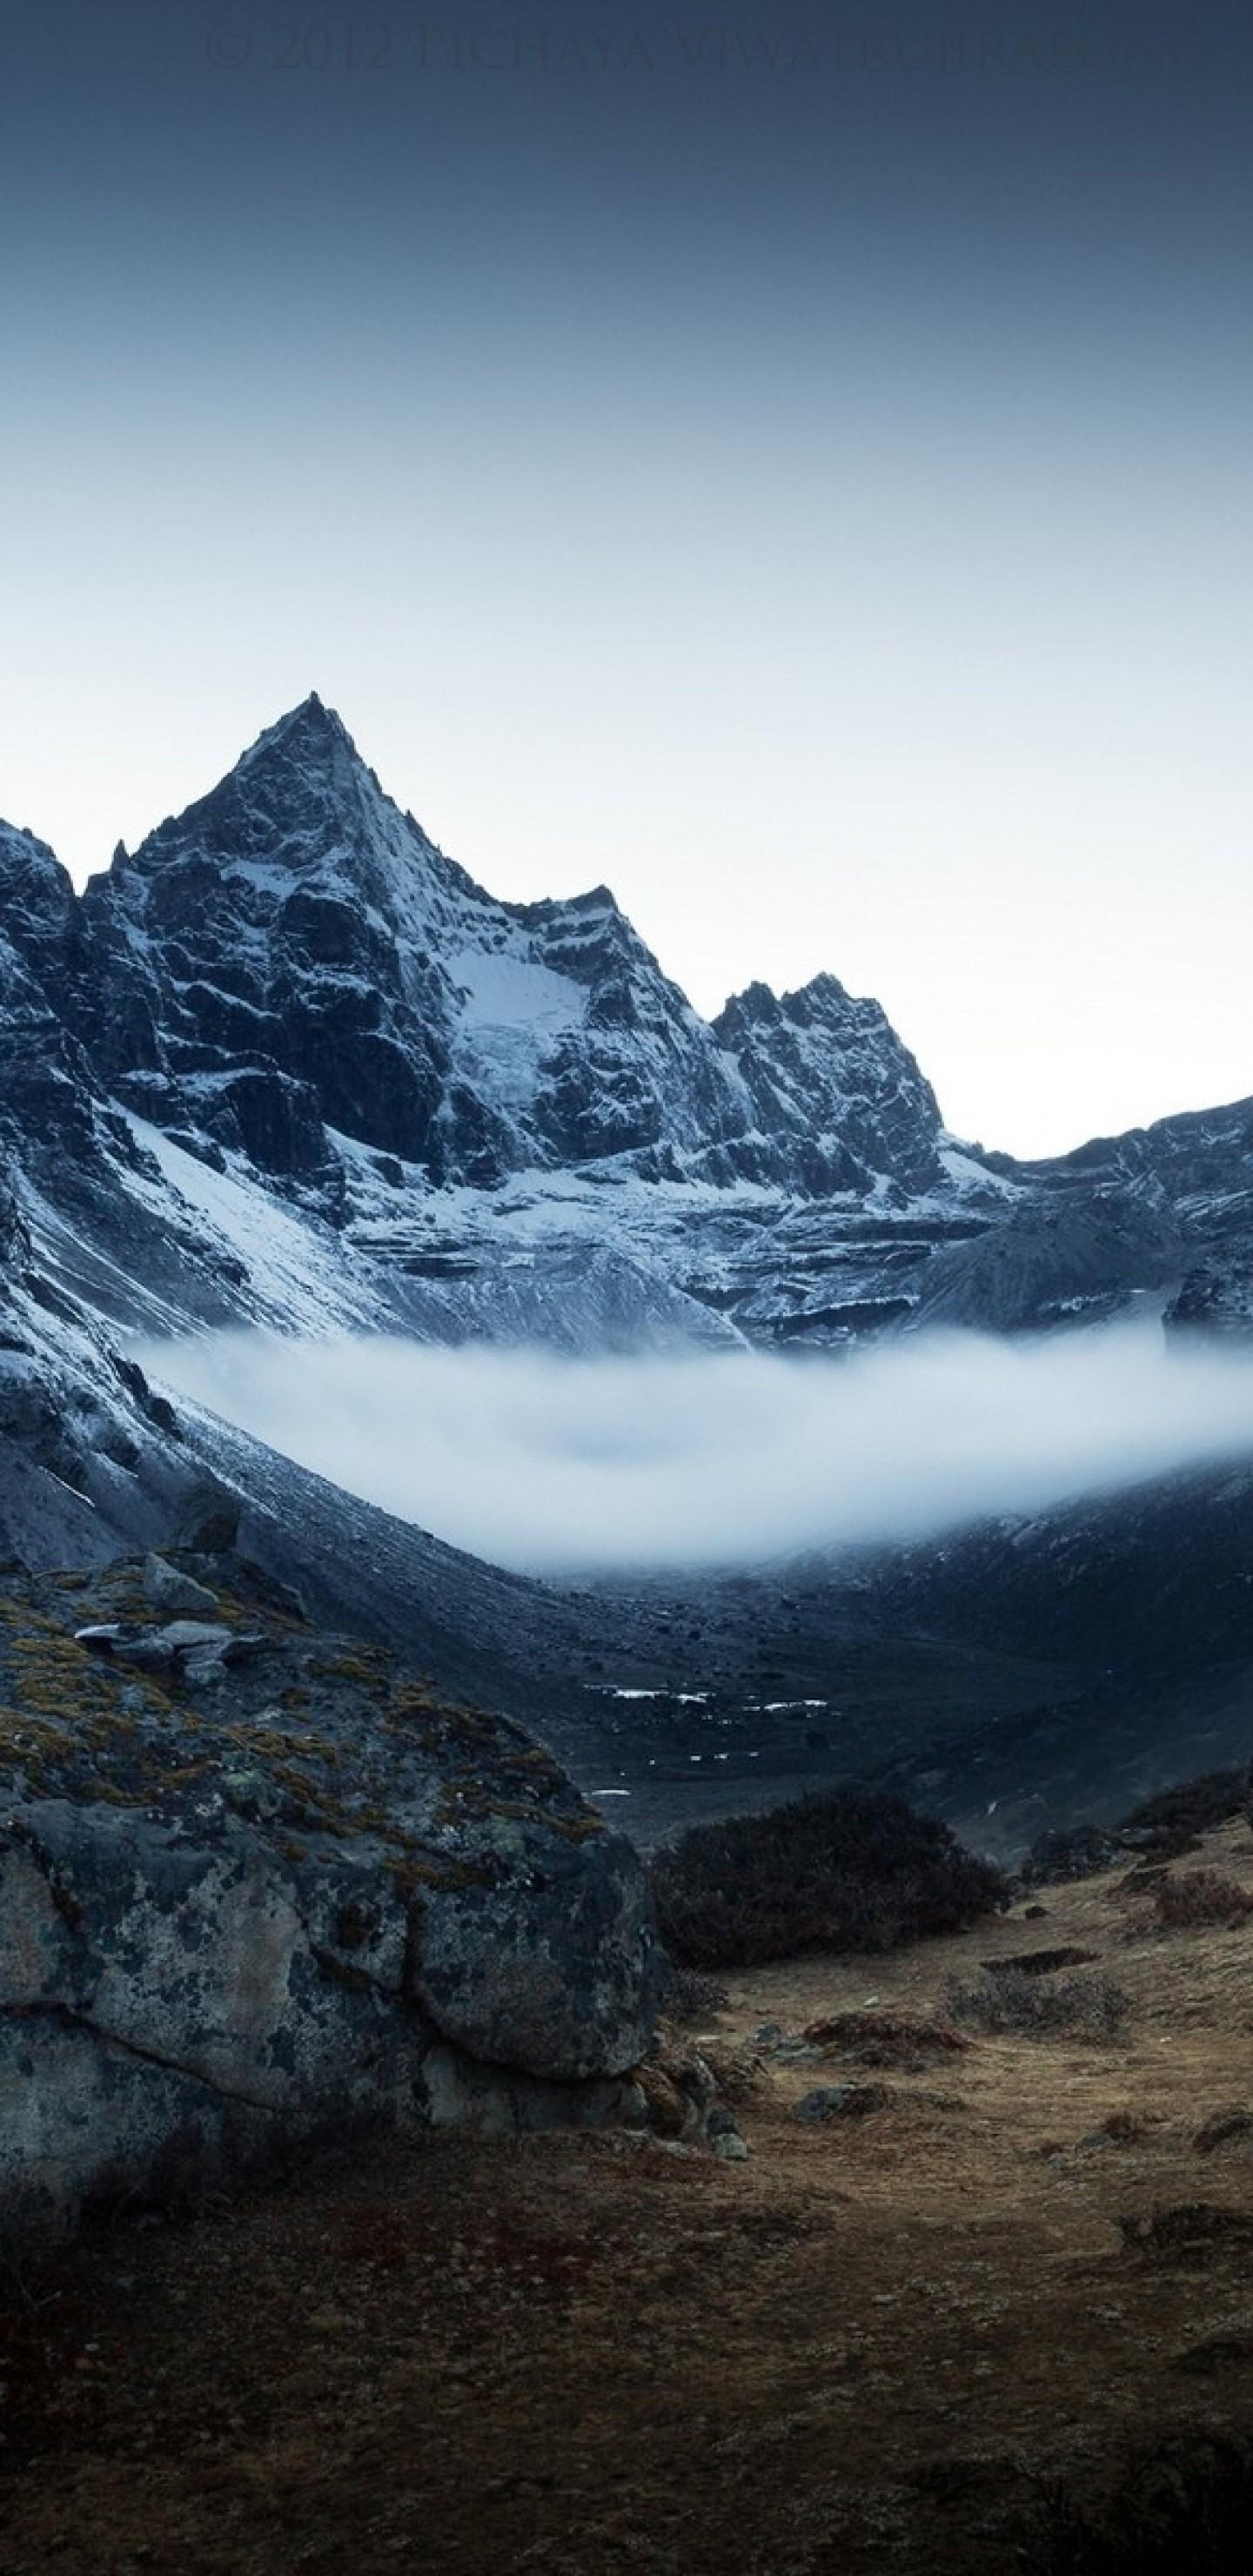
830 1075
1216 1297
1062 1255
46 1085
279 1893
14 1234
291 987
431 1109
294 954
170 1590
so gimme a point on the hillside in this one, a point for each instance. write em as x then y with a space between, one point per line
288 1065
928 2338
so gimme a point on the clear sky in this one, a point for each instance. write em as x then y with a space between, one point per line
793 465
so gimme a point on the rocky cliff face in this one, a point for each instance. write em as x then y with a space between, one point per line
288 1063
486 1116
828 1076
293 955
46 1083
257 1882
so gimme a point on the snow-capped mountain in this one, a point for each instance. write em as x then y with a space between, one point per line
293 955
288 1061
292 1035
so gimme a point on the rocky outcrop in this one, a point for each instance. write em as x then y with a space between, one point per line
257 1883
1061 1256
47 1093
827 1074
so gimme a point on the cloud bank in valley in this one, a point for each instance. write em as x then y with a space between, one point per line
554 1465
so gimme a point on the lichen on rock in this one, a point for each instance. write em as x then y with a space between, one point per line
281 1885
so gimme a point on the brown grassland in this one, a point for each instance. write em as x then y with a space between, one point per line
879 2343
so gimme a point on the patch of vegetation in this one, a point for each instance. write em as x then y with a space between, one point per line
1071 1852
1162 1827
1187 2231
886 2039
54 1675
1122 2128
691 1996
1222 2128
1200 1900
1039 1963
851 1870
1169 1822
367 1665
1027 2007
1139 1881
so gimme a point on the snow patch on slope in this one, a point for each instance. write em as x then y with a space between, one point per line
295 1267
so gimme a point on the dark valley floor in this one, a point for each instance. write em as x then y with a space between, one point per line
941 2336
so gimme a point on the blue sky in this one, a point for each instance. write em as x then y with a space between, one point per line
808 490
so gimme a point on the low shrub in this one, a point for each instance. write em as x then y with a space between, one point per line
1122 2127
1169 1822
737 2072
1030 2007
1070 1852
1140 1881
1187 2231
1162 1827
850 1870
1222 2127
885 2039
1200 1899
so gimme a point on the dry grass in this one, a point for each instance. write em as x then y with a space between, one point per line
1201 1900
929 2341
1035 2006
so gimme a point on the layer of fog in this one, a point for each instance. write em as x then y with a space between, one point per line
545 1464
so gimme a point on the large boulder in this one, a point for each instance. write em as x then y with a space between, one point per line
279 1894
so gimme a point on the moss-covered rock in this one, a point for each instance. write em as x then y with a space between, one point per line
294 1889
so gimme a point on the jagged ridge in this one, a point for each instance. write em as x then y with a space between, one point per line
423 1104
293 954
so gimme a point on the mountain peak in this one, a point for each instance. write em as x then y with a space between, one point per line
760 1006
302 784
311 731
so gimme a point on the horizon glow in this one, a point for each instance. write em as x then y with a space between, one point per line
815 502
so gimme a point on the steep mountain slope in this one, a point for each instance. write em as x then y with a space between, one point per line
288 1064
94 1462
289 1060
486 1116
294 954
1020 1674
1025 1672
